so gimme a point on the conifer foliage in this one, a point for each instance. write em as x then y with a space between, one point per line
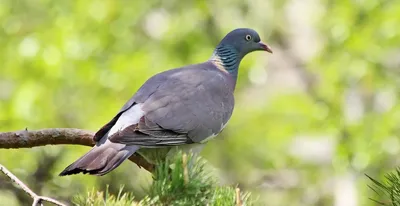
388 191
182 180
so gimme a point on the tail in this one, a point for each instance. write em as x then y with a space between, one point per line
101 160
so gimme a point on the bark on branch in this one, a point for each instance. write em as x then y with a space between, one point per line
37 199
56 136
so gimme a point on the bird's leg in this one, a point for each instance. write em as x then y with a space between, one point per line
142 162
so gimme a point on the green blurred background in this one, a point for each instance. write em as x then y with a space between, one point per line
310 120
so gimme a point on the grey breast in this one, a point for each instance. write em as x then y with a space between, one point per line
196 100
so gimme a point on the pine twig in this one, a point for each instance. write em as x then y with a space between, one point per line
238 199
185 169
37 199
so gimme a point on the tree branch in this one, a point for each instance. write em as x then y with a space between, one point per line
56 136
37 200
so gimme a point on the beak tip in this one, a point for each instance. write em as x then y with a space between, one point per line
266 48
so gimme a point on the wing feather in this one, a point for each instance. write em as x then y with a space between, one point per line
180 106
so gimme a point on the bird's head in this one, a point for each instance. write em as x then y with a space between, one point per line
244 41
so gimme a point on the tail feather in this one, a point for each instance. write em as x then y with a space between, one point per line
100 160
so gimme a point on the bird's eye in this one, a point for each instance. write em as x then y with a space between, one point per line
248 37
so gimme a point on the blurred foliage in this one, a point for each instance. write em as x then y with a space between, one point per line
309 120
171 188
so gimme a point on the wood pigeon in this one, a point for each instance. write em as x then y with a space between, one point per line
185 106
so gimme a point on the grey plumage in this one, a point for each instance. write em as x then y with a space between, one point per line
181 106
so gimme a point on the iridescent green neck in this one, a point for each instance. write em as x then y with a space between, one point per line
228 58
